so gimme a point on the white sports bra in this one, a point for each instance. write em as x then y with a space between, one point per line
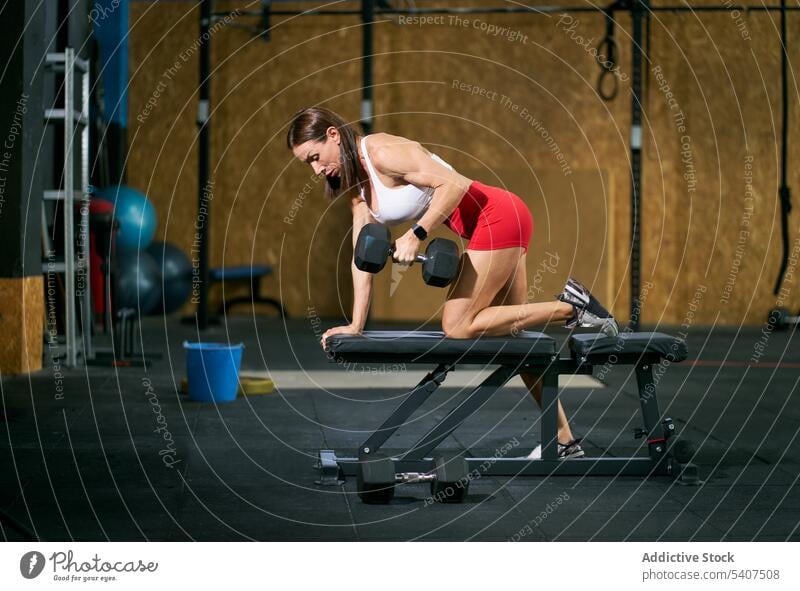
398 204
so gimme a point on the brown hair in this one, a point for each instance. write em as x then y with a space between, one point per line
312 123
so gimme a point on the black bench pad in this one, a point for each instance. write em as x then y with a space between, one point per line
630 343
433 347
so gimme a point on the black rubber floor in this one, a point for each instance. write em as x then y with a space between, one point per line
124 456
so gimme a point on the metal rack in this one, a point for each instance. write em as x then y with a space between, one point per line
75 117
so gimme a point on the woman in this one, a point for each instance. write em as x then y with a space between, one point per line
389 179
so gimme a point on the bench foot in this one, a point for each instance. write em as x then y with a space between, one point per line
685 474
330 473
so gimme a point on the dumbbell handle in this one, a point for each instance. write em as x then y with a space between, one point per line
405 477
420 258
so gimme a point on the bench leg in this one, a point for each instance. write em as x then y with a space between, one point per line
255 297
228 304
550 415
397 419
651 415
274 303
472 403
255 289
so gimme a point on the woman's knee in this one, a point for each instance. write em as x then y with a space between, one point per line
457 327
461 332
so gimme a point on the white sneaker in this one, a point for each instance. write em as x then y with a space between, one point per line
536 454
565 451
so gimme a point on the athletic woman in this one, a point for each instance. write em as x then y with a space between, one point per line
389 180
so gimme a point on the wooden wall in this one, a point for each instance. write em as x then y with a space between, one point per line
515 106
22 316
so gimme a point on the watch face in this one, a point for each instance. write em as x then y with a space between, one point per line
420 232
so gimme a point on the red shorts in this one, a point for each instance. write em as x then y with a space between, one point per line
491 218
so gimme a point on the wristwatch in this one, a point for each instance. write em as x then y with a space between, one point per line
419 232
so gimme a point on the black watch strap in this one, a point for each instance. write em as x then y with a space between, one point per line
419 232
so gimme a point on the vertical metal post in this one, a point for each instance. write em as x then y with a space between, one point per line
549 418
637 14
203 110
69 211
86 296
367 18
784 192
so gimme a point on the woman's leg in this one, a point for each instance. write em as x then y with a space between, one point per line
469 311
515 292
490 299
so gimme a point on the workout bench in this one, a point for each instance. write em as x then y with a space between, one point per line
530 352
252 274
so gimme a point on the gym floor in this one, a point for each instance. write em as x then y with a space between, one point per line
91 465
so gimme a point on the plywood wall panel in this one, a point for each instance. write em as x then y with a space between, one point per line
444 84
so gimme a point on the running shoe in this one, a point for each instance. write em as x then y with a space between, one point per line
587 311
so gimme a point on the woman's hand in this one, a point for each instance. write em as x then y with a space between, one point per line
406 248
349 329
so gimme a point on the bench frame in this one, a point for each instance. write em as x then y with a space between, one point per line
656 429
240 274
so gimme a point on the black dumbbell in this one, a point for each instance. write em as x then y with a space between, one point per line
377 479
439 263
781 319
452 482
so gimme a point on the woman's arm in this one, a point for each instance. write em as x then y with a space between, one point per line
410 162
362 281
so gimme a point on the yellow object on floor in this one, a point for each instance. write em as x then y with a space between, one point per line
255 386
247 386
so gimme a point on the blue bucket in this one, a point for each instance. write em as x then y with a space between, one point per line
213 371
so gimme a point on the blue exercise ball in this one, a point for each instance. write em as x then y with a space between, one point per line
176 275
137 278
135 214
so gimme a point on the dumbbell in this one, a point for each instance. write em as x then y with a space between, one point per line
451 483
377 479
781 319
374 247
